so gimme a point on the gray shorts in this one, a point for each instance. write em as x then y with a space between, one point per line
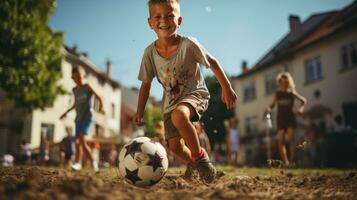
199 106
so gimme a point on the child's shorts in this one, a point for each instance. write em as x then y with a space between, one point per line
82 127
198 105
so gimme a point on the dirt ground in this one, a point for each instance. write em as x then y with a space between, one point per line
237 183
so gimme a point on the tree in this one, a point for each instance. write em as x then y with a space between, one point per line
151 117
216 113
30 53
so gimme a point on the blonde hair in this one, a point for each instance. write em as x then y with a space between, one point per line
290 79
175 4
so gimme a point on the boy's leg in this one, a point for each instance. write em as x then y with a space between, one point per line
79 152
88 151
178 147
78 157
181 119
86 147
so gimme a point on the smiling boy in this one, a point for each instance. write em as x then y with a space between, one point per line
175 61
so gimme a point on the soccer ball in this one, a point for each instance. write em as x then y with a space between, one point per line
143 162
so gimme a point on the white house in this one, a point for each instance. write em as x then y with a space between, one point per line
15 125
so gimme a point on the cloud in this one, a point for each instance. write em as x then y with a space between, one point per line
208 9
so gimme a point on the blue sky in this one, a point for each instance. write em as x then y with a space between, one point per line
231 30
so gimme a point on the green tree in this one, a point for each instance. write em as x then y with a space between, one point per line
151 117
30 53
216 113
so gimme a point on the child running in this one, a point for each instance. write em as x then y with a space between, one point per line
82 103
175 61
284 97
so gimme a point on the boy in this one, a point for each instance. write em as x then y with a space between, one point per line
175 61
83 94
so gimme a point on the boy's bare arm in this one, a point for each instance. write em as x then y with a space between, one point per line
98 97
143 97
228 97
69 109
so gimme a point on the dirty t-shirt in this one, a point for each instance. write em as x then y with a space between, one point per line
180 74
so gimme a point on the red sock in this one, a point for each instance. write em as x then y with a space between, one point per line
198 156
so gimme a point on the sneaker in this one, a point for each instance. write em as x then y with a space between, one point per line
95 166
76 167
190 173
206 169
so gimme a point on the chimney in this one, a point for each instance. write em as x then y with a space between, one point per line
244 66
295 27
109 68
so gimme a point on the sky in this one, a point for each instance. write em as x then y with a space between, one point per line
231 30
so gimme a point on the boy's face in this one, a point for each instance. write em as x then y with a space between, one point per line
164 19
77 78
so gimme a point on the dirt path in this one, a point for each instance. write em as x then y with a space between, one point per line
46 183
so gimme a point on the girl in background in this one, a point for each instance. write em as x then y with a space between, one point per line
284 98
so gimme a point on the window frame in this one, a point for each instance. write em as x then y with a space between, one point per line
272 77
313 66
348 51
250 87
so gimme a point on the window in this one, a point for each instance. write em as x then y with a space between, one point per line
249 91
99 130
270 83
350 114
349 56
113 110
48 130
96 104
313 69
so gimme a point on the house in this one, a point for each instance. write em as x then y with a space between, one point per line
17 125
321 55
128 110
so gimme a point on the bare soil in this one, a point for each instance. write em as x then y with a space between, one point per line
52 183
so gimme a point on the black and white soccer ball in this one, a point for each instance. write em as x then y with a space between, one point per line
143 162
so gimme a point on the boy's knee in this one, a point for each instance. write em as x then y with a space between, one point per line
178 116
82 138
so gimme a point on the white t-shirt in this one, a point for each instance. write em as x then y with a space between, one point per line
180 74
